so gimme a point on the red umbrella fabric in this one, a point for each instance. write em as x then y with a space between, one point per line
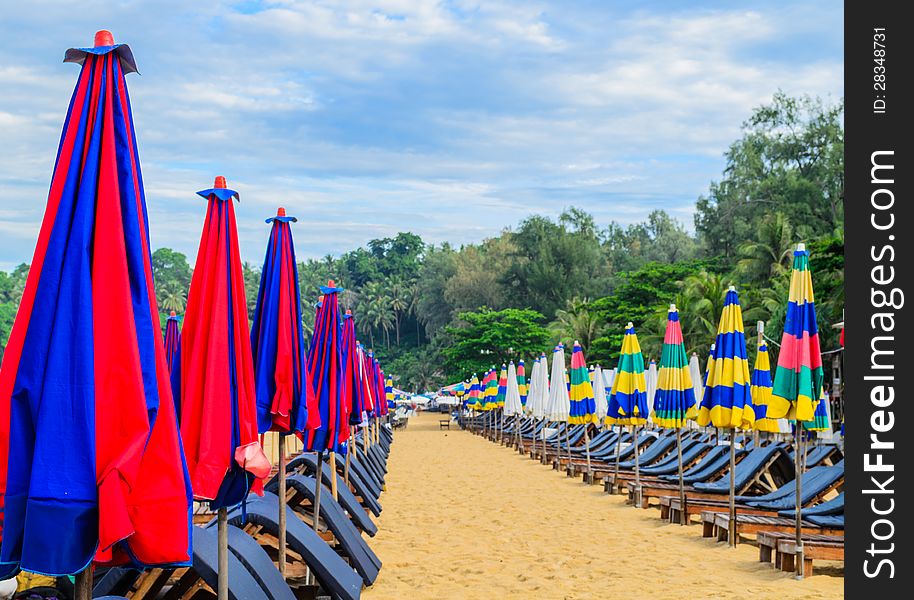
90 458
216 386
325 366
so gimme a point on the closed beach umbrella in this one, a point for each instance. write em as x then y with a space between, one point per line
352 392
91 466
522 382
696 375
500 399
650 380
559 405
278 350
674 400
582 406
821 420
472 398
172 338
727 402
799 376
628 398
513 406
599 394
761 390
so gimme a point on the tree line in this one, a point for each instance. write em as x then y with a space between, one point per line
437 313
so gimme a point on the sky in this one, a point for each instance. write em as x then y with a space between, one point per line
450 119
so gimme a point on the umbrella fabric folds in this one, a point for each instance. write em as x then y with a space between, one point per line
513 406
216 384
389 390
522 382
582 407
502 387
628 398
472 400
599 394
353 394
821 420
367 395
277 339
698 379
674 398
325 371
90 458
727 402
799 376
650 383
172 338
490 399
761 390
558 406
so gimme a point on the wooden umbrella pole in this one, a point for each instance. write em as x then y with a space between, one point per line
317 489
222 593
618 450
84 584
637 470
682 506
558 455
282 505
587 450
349 455
333 489
798 461
732 523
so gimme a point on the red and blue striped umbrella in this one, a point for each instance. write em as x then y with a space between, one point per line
365 377
325 369
90 458
172 339
353 392
277 339
216 378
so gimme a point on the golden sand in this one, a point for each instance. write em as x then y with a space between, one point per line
466 518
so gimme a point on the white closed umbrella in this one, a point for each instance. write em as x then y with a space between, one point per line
513 407
697 378
559 403
533 390
599 394
651 380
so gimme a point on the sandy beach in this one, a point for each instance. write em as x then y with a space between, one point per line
465 518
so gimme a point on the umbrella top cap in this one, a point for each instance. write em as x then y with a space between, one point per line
220 190
672 308
173 314
219 183
629 325
103 37
280 212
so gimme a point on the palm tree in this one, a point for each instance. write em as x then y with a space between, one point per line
576 322
701 301
769 255
173 297
398 301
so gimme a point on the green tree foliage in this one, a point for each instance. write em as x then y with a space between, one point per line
482 338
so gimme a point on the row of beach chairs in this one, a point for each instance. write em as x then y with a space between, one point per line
764 477
332 561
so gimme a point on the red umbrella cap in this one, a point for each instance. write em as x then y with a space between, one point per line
331 283
103 37
219 184
280 212
348 312
174 314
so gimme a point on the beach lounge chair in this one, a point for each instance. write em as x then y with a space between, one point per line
759 469
782 547
187 582
835 506
306 549
351 543
363 484
347 499
717 524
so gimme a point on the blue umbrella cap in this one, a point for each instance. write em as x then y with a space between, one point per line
104 43
220 191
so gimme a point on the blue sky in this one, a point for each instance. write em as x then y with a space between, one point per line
450 119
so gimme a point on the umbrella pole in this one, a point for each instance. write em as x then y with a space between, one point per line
798 460
333 490
732 524
222 592
683 515
618 450
637 470
567 443
282 502
317 488
587 451
84 584
349 456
